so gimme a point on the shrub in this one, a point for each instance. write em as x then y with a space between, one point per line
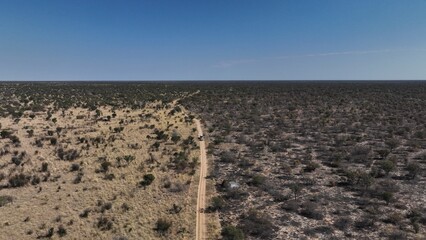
232 233
68 155
325 230
104 167
5 134
257 225
387 196
296 188
104 223
397 235
61 231
392 143
4 199
310 210
387 166
78 178
162 225
109 177
365 222
85 213
15 140
312 166
217 203
35 180
19 180
75 167
343 223
258 180
175 137
129 158
394 218
147 180
175 209
413 170
44 167
16 160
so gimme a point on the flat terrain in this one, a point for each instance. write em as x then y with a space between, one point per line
110 173
279 160
327 160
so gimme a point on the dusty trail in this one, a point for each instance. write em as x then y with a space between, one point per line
201 199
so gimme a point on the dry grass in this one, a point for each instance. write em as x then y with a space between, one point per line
115 208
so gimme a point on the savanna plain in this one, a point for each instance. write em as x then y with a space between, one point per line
284 160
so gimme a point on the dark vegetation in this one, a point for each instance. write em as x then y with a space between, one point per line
350 151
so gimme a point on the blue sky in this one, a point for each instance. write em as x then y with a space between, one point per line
212 39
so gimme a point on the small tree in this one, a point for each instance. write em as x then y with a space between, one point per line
296 188
413 169
365 180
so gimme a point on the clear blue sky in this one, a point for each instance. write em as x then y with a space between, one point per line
212 39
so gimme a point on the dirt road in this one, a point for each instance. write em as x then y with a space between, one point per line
201 199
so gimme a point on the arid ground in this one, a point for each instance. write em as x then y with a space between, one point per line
285 160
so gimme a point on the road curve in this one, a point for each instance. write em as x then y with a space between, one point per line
201 199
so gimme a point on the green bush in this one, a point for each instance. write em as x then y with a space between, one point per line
232 233
217 203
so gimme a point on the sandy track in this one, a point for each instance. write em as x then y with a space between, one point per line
201 199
